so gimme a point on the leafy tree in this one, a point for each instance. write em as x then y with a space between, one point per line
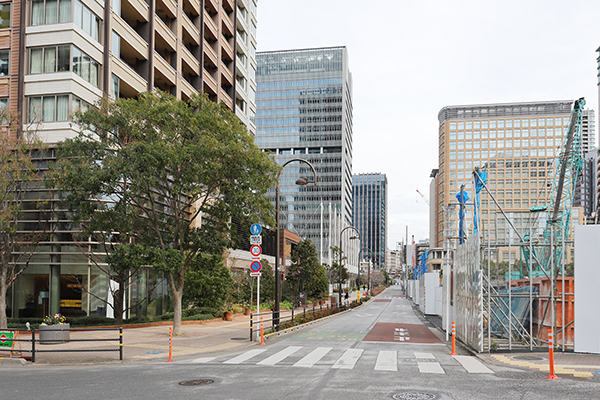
306 274
18 174
208 282
267 284
333 271
170 174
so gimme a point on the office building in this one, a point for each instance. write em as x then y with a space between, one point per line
60 56
370 215
304 110
518 144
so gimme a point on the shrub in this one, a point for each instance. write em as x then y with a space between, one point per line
198 317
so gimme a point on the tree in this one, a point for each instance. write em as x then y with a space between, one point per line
170 174
333 271
306 274
18 174
208 282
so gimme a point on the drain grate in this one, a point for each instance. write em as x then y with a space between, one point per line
414 396
197 382
528 358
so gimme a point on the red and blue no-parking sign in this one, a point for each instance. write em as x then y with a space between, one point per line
255 266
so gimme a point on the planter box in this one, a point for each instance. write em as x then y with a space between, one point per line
54 334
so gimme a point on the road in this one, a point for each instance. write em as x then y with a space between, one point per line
378 351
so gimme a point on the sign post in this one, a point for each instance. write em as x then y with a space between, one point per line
255 266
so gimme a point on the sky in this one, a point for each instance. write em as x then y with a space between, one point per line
409 59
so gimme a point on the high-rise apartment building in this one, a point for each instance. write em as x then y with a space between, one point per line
245 64
585 189
517 143
304 110
58 56
370 215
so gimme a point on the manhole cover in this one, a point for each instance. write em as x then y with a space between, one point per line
197 382
414 396
528 358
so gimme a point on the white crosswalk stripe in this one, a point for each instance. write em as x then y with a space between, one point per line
244 356
277 357
386 360
313 358
348 359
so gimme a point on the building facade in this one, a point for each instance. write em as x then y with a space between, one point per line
518 144
304 110
57 57
370 215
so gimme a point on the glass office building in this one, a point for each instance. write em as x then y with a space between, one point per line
370 216
304 110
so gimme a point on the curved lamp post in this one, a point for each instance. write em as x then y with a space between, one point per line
302 182
340 261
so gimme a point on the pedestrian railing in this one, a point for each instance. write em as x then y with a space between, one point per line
20 336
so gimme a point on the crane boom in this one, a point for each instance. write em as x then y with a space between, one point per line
424 198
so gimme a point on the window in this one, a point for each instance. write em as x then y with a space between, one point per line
116 45
49 108
86 20
4 62
5 15
50 11
114 87
58 59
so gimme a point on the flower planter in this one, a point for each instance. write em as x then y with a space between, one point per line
228 316
55 334
247 311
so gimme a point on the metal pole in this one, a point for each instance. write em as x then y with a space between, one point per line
552 283
510 313
257 302
563 294
277 245
531 290
121 343
489 269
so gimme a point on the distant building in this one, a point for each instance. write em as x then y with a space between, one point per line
304 110
370 215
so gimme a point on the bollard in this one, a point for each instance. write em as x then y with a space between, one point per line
262 333
453 340
170 344
551 354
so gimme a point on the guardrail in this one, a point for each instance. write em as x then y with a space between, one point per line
33 340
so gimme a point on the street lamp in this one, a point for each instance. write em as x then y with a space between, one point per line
301 182
340 261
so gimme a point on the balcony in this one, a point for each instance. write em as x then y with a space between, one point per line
137 8
228 28
228 5
191 30
190 61
168 7
165 33
164 68
126 74
213 5
224 97
226 75
135 41
226 51
213 30
210 54
209 83
187 89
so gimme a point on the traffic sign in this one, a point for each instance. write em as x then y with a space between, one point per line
255 250
256 239
255 229
255 266
4 339
255 273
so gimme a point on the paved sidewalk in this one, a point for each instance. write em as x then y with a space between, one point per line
146 344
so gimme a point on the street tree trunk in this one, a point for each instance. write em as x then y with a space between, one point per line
3 289
176 285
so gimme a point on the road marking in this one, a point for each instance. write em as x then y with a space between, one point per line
424 355
275 358
244 356
387 360
203 360
348 359
430 368
473 365
313 358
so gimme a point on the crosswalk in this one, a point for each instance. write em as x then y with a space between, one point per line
348 359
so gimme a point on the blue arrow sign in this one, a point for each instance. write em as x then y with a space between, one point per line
255 229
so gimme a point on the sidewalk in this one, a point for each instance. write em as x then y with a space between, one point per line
146 344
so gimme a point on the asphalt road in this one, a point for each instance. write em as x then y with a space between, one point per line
379 351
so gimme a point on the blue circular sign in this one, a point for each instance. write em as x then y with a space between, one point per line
255 266
255 229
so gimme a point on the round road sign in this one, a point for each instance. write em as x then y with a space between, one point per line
3 338
255 250
255 266
255 229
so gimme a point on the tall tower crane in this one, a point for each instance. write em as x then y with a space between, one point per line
424 198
